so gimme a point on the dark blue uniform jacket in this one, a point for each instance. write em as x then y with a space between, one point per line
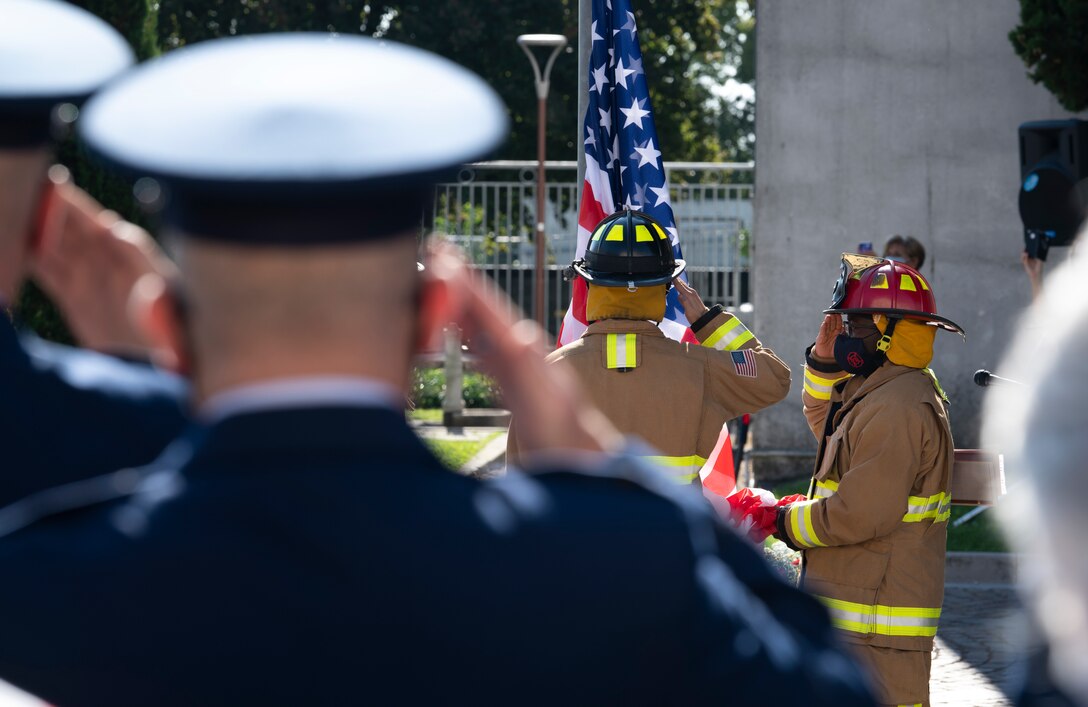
323 556
68 414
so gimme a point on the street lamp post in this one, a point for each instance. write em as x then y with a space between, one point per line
555 42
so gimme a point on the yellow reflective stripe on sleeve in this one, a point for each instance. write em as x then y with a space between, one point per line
919 508
729 336
824 489
800 516
620 351
682 470
882 620
818 386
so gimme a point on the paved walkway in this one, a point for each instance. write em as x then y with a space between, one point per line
977 650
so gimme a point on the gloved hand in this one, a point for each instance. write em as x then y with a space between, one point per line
784 503
755 512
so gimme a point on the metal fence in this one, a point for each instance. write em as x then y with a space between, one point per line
490 211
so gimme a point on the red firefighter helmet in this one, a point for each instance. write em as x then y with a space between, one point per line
871 285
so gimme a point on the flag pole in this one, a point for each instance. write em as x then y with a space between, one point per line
585 21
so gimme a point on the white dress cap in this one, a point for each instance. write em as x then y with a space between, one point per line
51 53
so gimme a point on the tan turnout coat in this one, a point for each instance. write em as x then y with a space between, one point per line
874 530
675 396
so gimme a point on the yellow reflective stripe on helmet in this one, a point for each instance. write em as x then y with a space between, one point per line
661 233
729 336
919 508
882 620
643 235
620 351
615 233
825 489
819 387
906 283
682 470
800 517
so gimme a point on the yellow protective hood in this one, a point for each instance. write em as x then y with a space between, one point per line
645 303
912 341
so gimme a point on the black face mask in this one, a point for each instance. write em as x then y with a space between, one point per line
853 357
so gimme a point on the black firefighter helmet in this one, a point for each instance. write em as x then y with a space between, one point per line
629 249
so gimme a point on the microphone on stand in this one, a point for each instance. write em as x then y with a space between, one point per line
984 379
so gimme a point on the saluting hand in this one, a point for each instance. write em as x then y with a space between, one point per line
831 327
88 260
690 301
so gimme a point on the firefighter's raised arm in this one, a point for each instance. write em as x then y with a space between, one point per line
741 373
822 373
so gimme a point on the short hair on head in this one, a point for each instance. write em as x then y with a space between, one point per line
914 248
240 295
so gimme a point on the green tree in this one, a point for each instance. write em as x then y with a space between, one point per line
687 46
182 22
1052 40
736 119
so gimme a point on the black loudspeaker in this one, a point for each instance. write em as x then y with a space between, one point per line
1053 163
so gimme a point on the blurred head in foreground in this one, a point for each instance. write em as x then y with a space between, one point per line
1041 428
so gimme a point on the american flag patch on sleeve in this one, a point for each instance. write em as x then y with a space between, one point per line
744 363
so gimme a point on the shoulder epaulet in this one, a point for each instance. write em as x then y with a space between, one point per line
96 491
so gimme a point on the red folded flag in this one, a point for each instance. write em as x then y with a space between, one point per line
755 512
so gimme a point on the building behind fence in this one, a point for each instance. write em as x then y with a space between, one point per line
490 211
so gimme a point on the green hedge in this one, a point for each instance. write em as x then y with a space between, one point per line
478 390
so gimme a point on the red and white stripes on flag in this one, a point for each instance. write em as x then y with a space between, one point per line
623 163
719 475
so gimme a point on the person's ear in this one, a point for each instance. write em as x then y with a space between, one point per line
434 313
158 315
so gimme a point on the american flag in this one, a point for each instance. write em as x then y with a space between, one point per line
744 363
623 159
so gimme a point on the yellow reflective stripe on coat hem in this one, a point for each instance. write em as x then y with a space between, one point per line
682 470
800 517
818 386
729 336
620 351
909 621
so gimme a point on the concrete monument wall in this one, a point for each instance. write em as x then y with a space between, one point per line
878 117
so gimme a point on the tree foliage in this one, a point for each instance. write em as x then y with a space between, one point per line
1052 40
688 46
